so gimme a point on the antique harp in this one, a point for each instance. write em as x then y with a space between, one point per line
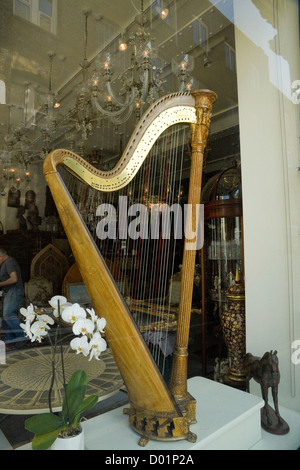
157 411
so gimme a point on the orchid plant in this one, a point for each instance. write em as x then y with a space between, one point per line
87 328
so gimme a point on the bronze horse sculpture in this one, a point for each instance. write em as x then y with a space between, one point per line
265 371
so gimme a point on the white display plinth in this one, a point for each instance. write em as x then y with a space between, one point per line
226 419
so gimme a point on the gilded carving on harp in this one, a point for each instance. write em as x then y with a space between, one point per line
156 411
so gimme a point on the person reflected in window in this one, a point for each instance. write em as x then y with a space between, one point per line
12 285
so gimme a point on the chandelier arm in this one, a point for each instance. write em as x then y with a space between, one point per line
106 113
119 120
112 95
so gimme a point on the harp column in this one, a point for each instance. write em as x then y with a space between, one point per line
204 100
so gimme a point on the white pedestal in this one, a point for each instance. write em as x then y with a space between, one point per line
226 419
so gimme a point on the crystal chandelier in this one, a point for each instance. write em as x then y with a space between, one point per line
139 83
21 138
182 68
15 160
47 119
84 115
15 168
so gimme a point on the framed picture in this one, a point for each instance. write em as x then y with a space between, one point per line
76 292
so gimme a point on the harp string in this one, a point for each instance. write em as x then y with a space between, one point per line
163 253
159 272
146 285
170 253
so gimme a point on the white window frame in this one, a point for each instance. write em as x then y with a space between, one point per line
35 13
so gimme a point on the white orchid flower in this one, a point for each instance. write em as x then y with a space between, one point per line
92 314
80 345
46 319
72 313
38 330
101 324
27 328
55 301
97 345
28 313
83 326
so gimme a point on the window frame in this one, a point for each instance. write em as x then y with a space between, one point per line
35 14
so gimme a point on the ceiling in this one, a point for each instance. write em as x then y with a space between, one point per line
25 63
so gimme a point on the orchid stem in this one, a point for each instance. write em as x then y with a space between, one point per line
52 382
53 347
63 367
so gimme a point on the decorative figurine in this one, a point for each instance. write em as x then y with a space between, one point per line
265 371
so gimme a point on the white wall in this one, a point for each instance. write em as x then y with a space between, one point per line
267 63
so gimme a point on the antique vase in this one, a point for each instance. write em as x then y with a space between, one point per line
234 331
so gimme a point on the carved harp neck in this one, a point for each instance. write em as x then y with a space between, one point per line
170 110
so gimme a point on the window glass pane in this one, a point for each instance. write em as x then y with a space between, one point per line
45 6
22 9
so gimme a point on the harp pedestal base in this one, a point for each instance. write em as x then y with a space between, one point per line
164 426
187 407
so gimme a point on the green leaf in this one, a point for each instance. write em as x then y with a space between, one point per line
44 441
87 404
43 423
75 393
78 379
75 399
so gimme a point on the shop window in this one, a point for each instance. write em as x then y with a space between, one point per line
40 12
22 8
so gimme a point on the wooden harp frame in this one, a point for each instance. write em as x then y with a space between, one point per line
156 411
